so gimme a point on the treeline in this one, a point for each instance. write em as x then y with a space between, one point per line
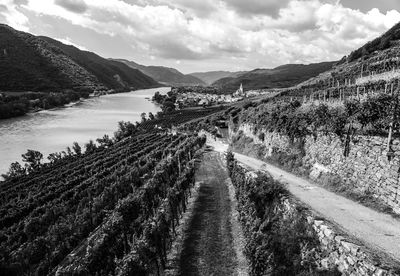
277 242
19 104
197 89
33 159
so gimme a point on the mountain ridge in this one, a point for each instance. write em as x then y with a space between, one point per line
165 75
210 77
280 77
38 63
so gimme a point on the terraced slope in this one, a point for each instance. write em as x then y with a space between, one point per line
66 206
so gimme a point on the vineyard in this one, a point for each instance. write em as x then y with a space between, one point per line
276 243
178 117
125 198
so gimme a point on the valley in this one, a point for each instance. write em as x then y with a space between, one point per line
293 170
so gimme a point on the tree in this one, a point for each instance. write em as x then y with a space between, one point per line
158 98
143 116
151 116
53 157
69 152
77 149
106 141
124 130
15 170
90 146
33 159
168 106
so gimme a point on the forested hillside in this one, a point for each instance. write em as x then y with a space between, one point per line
213 76
279 77
165 75
31 63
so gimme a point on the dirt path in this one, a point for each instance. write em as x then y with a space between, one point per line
374 229
209 246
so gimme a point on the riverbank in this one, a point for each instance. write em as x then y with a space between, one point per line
54 129
17 104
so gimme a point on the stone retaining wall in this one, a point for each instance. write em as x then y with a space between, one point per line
337 249
344 253
366 168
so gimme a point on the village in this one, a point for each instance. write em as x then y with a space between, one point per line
196 98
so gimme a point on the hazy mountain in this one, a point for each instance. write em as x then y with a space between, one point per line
212 76
279 77
28 62
165 75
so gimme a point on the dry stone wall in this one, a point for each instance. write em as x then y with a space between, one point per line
341 251
366 168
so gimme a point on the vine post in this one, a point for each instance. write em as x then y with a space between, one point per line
389 141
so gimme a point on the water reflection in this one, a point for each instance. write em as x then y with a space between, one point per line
53 130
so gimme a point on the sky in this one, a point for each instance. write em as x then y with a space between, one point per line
206 35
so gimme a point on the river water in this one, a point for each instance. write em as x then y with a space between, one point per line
53 130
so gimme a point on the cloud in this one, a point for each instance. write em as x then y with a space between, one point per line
367 5
11 14
78 6
229 33
68 41
266 7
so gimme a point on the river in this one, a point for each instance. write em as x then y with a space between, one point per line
53 130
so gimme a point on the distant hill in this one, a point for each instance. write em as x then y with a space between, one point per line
279 77
165 75
31 63
212 76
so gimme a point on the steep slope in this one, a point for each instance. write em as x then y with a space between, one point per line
111 73
374 67
279 77
168 76
213 76
381 43
31 63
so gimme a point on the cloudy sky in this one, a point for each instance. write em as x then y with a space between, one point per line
204 35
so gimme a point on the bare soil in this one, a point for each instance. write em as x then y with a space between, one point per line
209 245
